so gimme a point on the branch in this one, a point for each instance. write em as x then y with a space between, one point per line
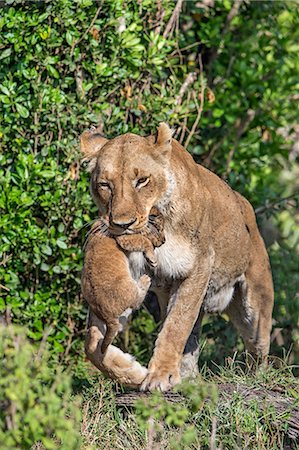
190 78
200 107
87 31
232 13
4 287
242 127
287 413
175 15
272 205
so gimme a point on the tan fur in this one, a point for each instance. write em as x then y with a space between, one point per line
114 363
213 258
147 239
107 284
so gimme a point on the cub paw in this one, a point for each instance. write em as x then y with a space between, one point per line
151 259
144 283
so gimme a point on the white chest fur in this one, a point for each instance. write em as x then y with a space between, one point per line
175 258
136 264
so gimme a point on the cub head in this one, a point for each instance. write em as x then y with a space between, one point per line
129 175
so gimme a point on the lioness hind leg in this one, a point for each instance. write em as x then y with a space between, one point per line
189 363
251 311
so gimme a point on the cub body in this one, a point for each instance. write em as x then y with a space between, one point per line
107 283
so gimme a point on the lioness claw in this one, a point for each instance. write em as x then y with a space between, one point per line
162 382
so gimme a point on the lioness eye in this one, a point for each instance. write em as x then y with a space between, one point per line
104 185
142 181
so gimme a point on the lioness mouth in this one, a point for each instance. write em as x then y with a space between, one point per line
120 232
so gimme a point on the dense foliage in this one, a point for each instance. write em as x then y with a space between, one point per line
224 76
34 400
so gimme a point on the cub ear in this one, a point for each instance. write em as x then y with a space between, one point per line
163 141
91 142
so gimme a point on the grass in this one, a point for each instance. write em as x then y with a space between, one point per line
200 421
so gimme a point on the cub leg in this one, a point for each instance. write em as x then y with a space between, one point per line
138 243
112 327
251 310
116 364
144 283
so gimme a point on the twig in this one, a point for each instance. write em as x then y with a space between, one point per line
8 315
208 158
5 259
213 434
36 116
160 17
184 125
43 343
272 205
190 78
87 31
242 127
200 107
175 15
232 13
79 82
195 44
4 287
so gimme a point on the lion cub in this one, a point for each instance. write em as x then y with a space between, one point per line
107 284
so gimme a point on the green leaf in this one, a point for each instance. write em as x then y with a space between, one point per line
54 72
47 173
217 112
5 53
4 90
61 244
46 249
22 110
69 38
56 269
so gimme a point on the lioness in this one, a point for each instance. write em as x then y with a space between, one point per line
107 284
213 260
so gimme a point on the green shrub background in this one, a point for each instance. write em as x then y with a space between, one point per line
35 402
67 65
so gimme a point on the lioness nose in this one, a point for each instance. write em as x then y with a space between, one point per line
123 223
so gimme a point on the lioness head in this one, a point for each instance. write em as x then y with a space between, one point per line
129 175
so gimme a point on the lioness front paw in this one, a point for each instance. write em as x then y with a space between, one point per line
162 380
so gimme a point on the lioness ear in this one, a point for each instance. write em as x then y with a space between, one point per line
91 142
164 134
163 140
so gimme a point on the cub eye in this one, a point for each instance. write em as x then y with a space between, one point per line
104 185
142 182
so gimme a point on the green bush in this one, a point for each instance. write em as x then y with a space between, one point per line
35 402
67 65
